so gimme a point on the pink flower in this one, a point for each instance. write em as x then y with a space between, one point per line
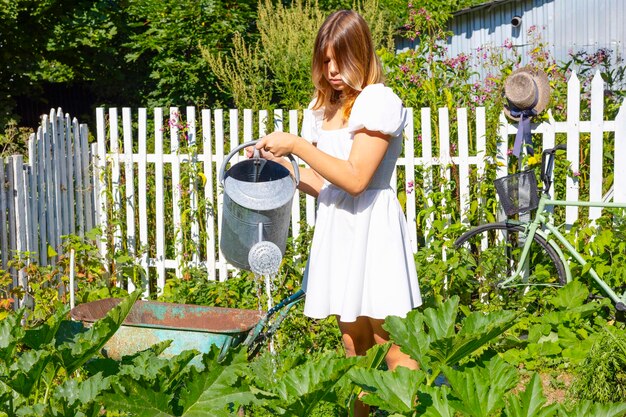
410 186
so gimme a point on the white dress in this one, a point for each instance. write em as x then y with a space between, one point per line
361 262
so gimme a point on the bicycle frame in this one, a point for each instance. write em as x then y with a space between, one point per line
543 220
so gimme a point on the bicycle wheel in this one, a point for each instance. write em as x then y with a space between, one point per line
492 252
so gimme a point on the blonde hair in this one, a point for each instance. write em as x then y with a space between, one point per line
347 35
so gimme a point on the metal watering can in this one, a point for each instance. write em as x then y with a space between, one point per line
258 194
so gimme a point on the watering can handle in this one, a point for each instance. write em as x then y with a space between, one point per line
296 171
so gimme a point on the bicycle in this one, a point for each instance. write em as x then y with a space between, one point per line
529 253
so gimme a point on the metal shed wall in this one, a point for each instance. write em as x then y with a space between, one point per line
565 25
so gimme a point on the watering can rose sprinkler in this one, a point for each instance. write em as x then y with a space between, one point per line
258 195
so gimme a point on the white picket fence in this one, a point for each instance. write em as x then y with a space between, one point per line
138 169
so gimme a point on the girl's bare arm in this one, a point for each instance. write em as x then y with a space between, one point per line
352 175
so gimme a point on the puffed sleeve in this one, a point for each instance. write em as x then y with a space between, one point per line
311 121
379 109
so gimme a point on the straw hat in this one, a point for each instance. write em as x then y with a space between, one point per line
526 90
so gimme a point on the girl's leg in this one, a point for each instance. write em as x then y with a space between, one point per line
395 357
357 338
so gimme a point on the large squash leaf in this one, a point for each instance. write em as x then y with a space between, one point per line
74 353
139 401
479 390
431 337
44 334
391 391
300 390
24 373
434 402
219 388
411 335
74 396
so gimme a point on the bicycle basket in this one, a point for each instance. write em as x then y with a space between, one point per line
518 192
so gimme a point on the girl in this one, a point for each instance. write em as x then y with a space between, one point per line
361 266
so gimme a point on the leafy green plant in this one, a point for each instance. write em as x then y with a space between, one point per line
601 376
37 365
435 340
562 334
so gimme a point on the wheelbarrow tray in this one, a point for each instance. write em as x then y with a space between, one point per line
187 326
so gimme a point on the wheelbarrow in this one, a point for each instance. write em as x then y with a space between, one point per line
187 326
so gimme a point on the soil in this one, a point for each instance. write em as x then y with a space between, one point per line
555 386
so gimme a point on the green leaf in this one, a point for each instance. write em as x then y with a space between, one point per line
480 389
300 390
11 333
155 372
83 346
574 294
51 252
441 321
433 402
411 335
476 330
530 402
586 408
76 394
26 369
218 387
392 391
44 333
139 402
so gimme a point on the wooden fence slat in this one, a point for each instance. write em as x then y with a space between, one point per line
142 205
12 216
596 153
100 182
210 211
619 167
427 156
60 176
218 120
159 198
295 208
4 225
79 180
129 187
193 186
42 200
33 202
463 149
409 174
176 191
70 176
116 186
481 149
573 140
89 185
502 156
52 212
21 217
233 134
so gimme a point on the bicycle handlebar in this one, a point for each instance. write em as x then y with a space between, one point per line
548 166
